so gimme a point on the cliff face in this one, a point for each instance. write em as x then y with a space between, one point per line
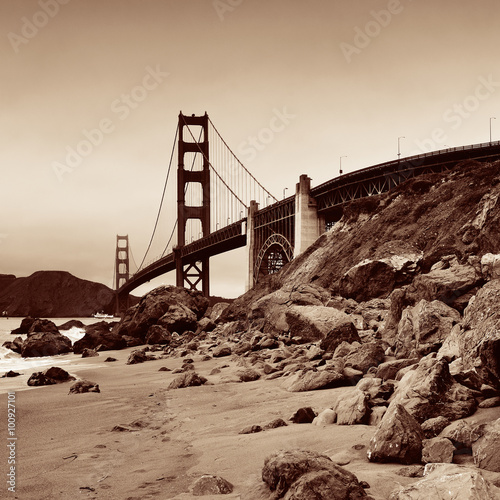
55 294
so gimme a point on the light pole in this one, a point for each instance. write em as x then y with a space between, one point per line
399 145
285 189
340 169
492 118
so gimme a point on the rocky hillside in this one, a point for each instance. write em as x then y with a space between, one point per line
54 294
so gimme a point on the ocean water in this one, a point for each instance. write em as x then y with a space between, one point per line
10 360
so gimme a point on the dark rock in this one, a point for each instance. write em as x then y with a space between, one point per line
485 449
389 369
83 386
365 356
45 344
490 403
221 351
53 375
398 438
211 485
430 391
89 353
11 373
43 325
310 380
248 375
301 474
109 359
158 335
437 450
25 326
73 323
251 429
100 335
188 379
139 356
353 409
279 422
175 308
16 345
462 434
303 416
345 332
434 426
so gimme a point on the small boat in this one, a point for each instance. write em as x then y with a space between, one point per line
101 315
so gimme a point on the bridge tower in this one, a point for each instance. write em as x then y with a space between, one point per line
121 261
189 275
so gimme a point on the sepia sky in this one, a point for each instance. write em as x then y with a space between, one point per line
348 76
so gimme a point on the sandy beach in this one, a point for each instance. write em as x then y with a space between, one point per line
138 440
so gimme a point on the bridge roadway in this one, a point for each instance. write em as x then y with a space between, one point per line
329 197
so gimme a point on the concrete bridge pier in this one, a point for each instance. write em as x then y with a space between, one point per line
308 224
250 247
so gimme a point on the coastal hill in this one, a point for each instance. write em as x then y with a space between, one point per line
53 294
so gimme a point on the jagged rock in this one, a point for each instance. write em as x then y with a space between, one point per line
15 345
376 415
485 449
175 308
309 380
53 375
326 417
479 343
312 323
300 474
222 351
217 310
89 353
158 335
437 450
274 424
252 429
248 375
188 379
398 438
430 391
462 434
434 426
43 325
73 323
345 332
389 369
139 356
45 344
449 481
365 356
423 328
83 386
490 266
445 285
100 336
303 416
353 409
211 485
25 326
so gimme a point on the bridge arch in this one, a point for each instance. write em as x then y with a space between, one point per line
273 255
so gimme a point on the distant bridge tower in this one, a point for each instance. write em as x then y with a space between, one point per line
121 261
191 274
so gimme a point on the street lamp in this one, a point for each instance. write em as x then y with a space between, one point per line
492 118
399 145
340 169
285 189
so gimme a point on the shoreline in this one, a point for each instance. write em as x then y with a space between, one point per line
67 446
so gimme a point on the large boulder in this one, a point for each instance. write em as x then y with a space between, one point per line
43 325
300 474
311 380
430 391
45 344
479 342
53 375
365 356
486 449
344 332
449 481
353 409
398 438
424 327
100 335
175 308
371 279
